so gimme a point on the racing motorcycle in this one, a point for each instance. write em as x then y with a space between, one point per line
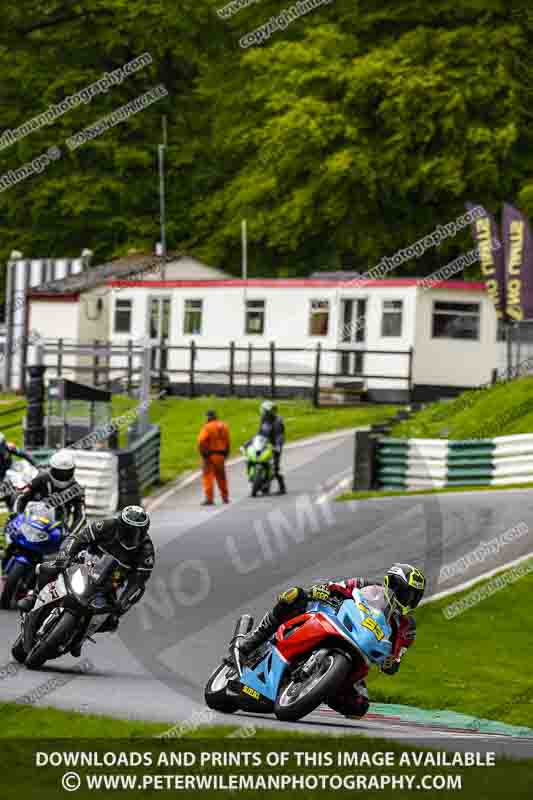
30 537
78 600
307 661
259 465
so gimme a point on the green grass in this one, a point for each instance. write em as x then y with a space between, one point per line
24 721
366 495
476 663
181 419
500 410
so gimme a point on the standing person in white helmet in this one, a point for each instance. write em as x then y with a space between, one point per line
57 486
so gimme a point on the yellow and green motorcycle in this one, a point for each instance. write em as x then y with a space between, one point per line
259 464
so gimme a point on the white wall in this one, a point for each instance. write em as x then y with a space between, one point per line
286 323
454 362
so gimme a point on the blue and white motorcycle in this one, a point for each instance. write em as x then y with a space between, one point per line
30 537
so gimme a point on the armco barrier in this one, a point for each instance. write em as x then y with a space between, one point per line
139 466
435 463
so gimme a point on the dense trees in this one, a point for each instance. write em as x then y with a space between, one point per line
347 136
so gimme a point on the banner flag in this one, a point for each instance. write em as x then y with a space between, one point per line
518 248
491 257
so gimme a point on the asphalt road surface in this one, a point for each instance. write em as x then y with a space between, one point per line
216 563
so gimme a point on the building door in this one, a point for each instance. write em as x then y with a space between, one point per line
159 329
352 336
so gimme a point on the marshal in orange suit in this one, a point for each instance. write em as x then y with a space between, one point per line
214 447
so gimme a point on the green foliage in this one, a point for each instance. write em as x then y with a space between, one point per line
347 136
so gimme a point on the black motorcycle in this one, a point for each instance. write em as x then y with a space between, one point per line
75 603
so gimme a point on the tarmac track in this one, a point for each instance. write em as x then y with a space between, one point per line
215 563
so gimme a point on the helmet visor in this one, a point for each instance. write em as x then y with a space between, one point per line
401 596
62 476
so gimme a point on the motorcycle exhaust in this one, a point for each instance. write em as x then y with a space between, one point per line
244 625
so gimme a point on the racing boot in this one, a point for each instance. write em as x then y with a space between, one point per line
243 645
282 489
26 604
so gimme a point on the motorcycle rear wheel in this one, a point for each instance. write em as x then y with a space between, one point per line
47 648
299 698
215 694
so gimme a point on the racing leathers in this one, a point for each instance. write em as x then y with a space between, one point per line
352 697
69 501
137 565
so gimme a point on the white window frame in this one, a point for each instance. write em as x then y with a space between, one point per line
311 312
384 301
252 311
119 300
451 313
186 311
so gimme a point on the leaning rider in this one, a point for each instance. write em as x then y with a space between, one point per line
401 592
125 537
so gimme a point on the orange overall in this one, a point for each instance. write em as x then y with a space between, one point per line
214 447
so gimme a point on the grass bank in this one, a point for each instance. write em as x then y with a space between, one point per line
500 410
180 421
475 663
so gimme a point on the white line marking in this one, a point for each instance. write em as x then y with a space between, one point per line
467 584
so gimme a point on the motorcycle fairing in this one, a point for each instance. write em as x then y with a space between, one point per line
266 676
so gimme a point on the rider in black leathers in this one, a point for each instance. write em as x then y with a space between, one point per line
59 489
124 536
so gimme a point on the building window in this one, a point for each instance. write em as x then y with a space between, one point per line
123 316
455 320
319 318
192 320
391 320
255 317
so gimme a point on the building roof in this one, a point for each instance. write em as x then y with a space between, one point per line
135 266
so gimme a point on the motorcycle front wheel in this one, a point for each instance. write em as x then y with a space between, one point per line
301 694
48 647
257 484
216 696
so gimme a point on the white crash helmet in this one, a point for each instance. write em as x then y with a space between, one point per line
62 468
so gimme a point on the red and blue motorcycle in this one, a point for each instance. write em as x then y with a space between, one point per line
308 661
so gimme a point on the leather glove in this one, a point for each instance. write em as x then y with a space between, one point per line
319 592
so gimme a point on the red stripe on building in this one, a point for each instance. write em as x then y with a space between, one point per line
299 283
